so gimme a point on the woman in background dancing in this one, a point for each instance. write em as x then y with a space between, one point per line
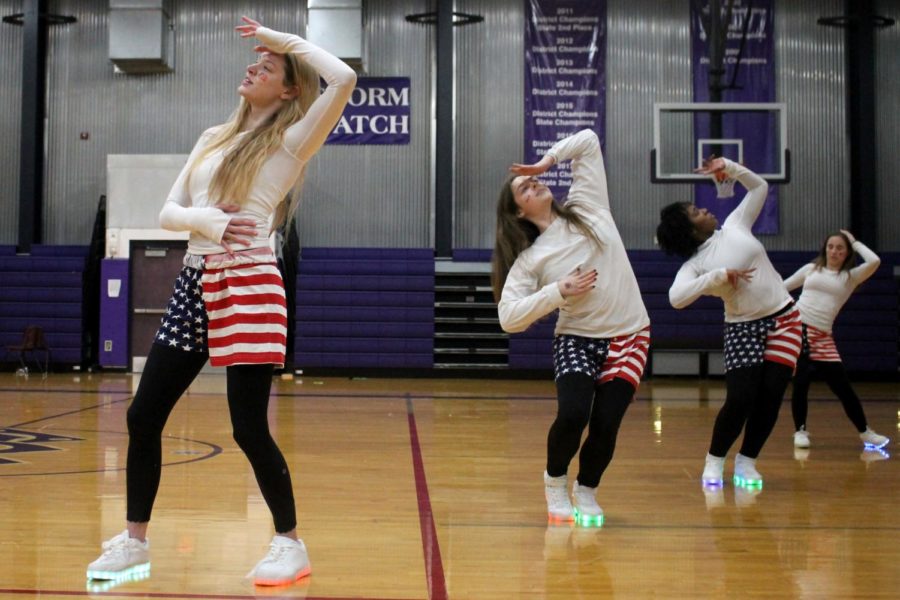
827 283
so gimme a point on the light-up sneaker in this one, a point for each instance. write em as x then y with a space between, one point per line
745 473
123 557
712 471
872 439
587 511
286 562
556 491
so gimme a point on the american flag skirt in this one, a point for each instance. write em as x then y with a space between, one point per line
602 359
819 345
246 306
777 339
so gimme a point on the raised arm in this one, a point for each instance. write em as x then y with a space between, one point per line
757 190
690 285
178 213
588 170
870 264
797 279
304 138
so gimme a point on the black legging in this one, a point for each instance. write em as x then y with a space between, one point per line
166 376
581 403
835 376
753 397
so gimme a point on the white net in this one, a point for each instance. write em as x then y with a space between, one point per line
724 185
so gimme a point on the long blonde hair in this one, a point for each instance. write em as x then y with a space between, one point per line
240 166
515 234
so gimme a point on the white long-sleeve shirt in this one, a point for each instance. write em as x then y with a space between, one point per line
826 291
189 207
614 307
734 247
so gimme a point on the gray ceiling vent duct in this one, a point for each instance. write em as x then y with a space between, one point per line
336 26
141 36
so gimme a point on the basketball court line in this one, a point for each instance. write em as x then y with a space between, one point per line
352 395
434 568
394 396
71 412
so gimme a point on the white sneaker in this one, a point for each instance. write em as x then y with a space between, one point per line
712 472
286 562
587 511
801 438
122 557
872 439
556 491
745 473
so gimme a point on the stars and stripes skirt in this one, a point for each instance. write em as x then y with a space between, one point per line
233 308
776 338
819 345
602 359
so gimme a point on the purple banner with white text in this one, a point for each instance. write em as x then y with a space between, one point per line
754 81
377 113
565 77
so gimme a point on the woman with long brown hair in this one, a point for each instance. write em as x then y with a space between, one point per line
827 284
570 258
228 305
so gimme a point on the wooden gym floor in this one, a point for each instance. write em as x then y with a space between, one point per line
432 489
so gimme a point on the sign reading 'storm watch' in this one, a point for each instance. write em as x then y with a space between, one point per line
377 113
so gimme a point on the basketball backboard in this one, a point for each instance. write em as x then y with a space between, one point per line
753 134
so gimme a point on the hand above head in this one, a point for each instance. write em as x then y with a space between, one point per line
240 230
536 169
249 28
577 282
711 165
735 276
849 235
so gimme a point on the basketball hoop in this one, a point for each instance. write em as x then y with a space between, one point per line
724 184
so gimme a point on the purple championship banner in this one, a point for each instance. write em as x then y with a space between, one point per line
377 113
565 78
755 82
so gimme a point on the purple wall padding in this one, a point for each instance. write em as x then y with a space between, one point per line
44 288
472 255
365 308
374 308
113 339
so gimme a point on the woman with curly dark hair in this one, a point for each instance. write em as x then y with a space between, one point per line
762 326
